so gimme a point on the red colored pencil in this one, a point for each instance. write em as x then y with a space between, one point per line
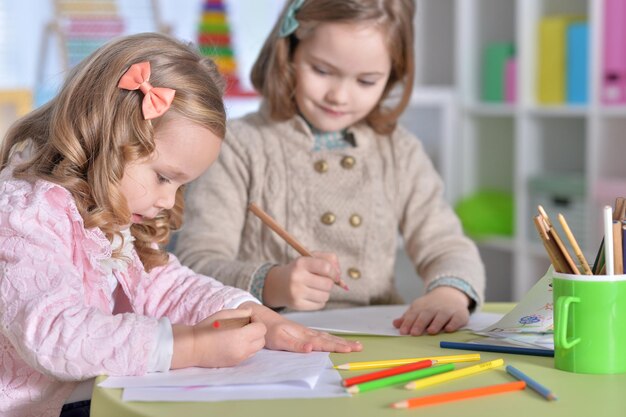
413 366
460 395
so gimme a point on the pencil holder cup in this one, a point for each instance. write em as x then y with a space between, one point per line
589 333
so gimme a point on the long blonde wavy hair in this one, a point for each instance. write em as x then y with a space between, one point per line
85 136
273 74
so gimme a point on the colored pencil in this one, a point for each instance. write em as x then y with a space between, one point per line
599 259
413 366
620 208
278 229
496 348
618 259
459 373
389 363
231 323
534 385
570 265
401 378
608 240
460 395
623 241
548 244
572 240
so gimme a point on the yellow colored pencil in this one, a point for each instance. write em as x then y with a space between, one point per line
357 366
448 376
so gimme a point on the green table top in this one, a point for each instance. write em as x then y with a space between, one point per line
579 394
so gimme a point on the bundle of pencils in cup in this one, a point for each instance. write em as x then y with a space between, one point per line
610 256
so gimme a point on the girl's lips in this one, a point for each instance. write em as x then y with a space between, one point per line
333 112
136 218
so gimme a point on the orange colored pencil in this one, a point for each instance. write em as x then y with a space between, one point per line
460 395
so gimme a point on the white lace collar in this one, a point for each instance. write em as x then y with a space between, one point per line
126 243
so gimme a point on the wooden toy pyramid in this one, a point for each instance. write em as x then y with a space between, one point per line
215 41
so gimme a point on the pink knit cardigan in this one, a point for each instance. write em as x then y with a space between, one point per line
56 323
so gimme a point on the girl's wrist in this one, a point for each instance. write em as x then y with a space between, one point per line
183 356
271 289
261 313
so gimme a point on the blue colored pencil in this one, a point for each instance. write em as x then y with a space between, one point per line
543 391
496 348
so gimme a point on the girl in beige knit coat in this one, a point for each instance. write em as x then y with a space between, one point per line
325 157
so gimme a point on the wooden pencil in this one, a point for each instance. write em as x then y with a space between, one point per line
562 250
231 323
572 240
556 261
608 240
620 208
618 259
278 229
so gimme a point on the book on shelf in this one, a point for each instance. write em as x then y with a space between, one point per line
551 81
613 86
577 63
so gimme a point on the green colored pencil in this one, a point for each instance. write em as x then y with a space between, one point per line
398 379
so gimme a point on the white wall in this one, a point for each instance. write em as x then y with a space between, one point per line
22 26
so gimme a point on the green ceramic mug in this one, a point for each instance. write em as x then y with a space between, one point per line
589 323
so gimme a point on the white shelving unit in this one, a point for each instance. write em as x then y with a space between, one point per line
502 146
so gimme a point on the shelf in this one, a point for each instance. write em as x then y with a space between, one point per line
559 111
491 109
506 145
612 111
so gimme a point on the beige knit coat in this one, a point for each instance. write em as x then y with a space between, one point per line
355 207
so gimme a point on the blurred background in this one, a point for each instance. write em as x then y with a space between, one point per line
518 102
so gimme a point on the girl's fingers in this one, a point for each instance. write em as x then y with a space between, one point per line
438 322
456 322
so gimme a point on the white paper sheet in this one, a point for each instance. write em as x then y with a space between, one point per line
328 386
372 320
266 367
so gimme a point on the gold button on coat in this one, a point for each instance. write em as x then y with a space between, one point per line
321 166
355 220
348 162
328 218
354 273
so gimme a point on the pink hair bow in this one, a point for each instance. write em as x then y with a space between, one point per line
156 100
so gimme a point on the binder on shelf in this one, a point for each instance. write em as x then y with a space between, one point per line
495 56
577 78
551 70
510 80
614 52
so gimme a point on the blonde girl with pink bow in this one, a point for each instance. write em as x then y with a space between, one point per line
91 185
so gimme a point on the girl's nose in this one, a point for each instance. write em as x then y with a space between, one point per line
338 93
166 199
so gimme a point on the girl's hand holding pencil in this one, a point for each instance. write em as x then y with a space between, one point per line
305 283
205 345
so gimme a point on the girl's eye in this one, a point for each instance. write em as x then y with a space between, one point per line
367 83
319 70
162 180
